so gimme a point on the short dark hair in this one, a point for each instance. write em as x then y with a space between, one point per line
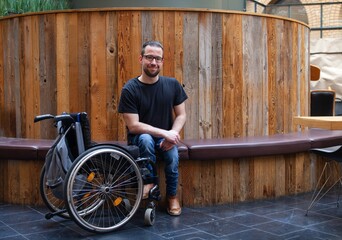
152 44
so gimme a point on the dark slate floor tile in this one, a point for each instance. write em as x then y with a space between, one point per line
309 234
249 219
278 228
298 217
251 234
220 228
333 227
6 231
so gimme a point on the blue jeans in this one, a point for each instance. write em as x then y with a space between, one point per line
149 146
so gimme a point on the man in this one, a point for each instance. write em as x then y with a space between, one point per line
154 112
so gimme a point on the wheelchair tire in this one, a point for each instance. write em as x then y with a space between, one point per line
54 204
149 216
98 187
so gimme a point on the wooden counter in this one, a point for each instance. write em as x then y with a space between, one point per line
332 123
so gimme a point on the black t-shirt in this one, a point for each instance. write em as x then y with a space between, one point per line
152 102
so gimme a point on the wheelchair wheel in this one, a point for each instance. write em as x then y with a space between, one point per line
103 188
54 204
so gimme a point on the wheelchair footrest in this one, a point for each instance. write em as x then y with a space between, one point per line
155 193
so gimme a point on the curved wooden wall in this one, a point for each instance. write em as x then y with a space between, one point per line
245 74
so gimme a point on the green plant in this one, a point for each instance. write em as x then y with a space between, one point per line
8 7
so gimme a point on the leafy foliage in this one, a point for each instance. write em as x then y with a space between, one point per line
8 7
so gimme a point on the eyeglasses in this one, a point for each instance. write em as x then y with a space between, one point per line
151 57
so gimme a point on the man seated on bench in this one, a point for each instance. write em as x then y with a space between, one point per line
154 112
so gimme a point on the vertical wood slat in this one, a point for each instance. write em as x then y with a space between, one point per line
74 91
2 82
216 77
205 88
98 83
190 73
111 77
232 76
62 63
47 71
83 51
30 86
8 110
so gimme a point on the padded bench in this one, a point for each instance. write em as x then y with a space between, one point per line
207 149
212 171
24 149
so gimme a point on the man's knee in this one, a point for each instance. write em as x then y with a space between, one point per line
146 140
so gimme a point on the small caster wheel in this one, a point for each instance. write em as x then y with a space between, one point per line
150 216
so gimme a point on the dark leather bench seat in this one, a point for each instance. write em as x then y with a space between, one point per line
24 149
36 149
199 149
210 149
207 149
324 138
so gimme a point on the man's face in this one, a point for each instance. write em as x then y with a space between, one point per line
152 61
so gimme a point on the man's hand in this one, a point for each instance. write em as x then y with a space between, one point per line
172 136
166 146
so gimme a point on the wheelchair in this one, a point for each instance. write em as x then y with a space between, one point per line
98 186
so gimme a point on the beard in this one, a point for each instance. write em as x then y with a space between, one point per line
151 74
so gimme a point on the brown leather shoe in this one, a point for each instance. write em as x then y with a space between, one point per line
174 208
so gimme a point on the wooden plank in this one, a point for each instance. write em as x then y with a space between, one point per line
136 31
98 76
9 88
279 80
280 183
111 66
47 73
3 179
62 63
272 52
232 76
19 124
255 82
169 43
190 73
177 53
157 25
124 63
30 84
74 90
287 76
2 82
204 87
245 176
216 100
293 91
179 48
13 182
83 50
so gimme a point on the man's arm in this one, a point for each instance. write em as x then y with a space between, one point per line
172 136
180 117
136 127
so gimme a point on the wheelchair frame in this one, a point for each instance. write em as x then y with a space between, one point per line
103 187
